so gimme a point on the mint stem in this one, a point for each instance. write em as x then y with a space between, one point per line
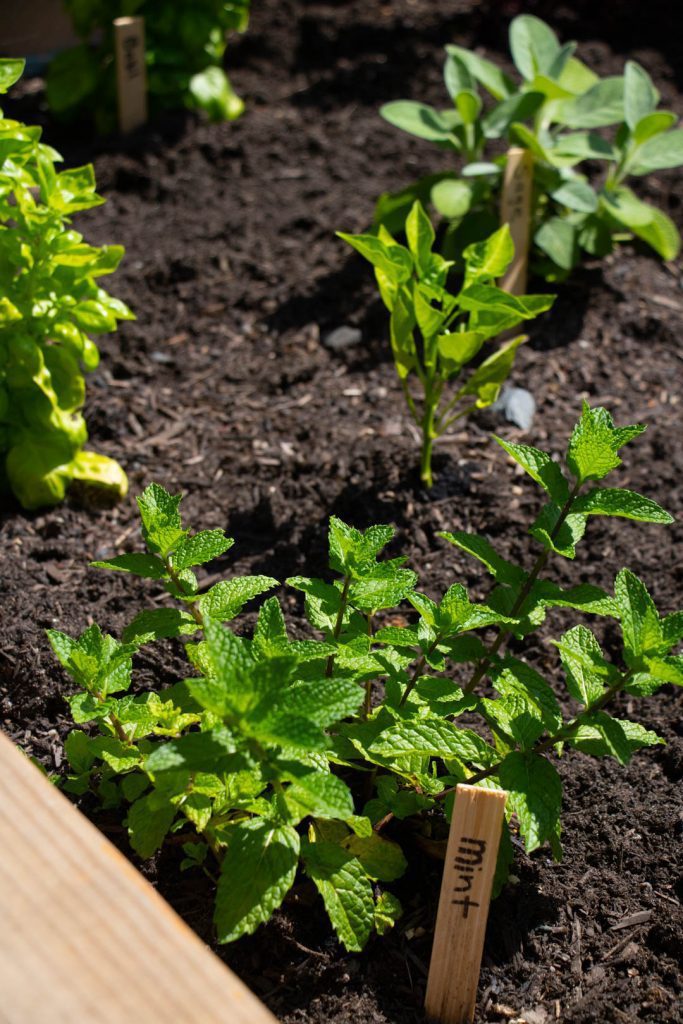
484 663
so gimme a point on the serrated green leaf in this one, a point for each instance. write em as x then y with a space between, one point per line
325 701
79 754
139 564
535 795
515 678
379 589
562 540
540 467
157 623
226 599
196 752
503 571
201 548
381 858
595 441
584 665
591 738
161 524
640 623
257 872
346 891
388 909
432 737
617 501
321 795
149 820
121 757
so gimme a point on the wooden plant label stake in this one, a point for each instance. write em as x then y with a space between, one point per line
464 904
131 75
515 210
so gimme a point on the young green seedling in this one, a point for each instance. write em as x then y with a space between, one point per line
278 754
185 46
51 303
558 109
434 333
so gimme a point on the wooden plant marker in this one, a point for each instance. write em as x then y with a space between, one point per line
131 74
83 936
515 210
464 904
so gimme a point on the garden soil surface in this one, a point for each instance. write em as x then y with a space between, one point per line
224 389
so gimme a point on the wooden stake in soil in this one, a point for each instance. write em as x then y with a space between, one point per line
515 210
464 904
131 75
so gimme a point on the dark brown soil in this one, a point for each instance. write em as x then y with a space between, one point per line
223 389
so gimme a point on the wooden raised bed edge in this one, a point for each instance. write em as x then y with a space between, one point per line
83 937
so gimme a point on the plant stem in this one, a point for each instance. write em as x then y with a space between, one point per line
484 663
329 668
567 730
417 671
427 439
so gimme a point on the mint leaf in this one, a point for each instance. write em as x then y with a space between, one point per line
433 737
503 571
201 548
139 564
595 442
540 467
617 501
159 623
320 795
256 874
149 820
640 623
225 600
196 752
388 909
346 891
562 540
535 795
161 525
325 701
381 858
584 665
621 739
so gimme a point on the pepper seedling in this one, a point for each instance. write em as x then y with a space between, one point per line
435 334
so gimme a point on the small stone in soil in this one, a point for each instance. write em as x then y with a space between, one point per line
343 337
517 406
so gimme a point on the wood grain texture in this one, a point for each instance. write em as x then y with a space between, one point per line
83 937
464 904
515 210
131 72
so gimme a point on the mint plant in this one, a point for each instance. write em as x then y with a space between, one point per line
51 303
434 333
558 109
280 755
184 48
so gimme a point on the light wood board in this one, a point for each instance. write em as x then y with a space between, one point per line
131 72
515 210
83 937
466 886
